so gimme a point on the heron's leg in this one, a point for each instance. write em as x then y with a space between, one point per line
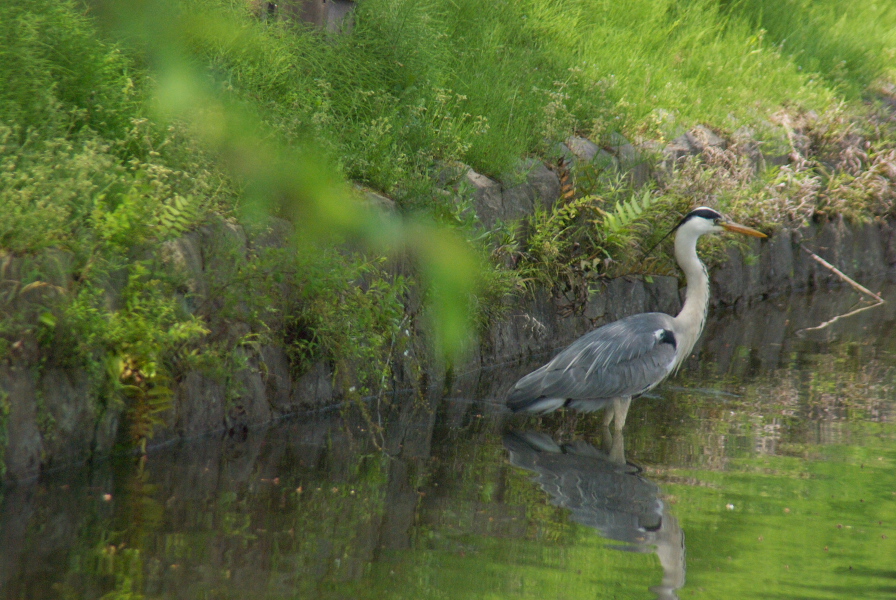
620 411
609 413
616 450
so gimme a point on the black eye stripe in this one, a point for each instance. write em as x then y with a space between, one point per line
705 213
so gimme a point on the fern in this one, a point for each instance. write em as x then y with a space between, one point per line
551 229
177 216
629 211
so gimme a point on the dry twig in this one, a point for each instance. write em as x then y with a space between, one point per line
858 287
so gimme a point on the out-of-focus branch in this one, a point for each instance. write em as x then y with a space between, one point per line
298 183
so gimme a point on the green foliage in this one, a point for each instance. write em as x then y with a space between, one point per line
348 310
58 77
849 49
486 82
125 566
130 352
626 212
75 193
556 233
602 233
248 115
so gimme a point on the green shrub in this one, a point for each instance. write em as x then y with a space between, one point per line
347 310
58 76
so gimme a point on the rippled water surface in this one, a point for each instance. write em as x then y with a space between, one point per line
766 469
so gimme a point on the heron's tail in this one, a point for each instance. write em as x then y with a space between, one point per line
521 401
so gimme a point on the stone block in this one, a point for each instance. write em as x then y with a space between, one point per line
776 263
277 378
630 161
72 413
251 406
183 256
625 297
583 149
692 143
662 295
380 202
541 186
314 389
702 137
275 233
23 439
198 405
332 15
869 256
596 306
487 198
730 281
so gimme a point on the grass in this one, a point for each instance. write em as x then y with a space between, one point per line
421 82
849 49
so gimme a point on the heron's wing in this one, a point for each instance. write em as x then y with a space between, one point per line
624 358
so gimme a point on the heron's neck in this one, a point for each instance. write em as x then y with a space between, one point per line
693 314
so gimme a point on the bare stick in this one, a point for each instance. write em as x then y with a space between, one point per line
838 317
860 288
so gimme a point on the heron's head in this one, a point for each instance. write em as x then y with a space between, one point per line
708 220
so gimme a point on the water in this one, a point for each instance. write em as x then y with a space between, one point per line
764 470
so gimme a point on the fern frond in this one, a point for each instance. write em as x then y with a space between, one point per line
178 215
627 212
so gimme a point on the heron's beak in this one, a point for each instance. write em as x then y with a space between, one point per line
737 228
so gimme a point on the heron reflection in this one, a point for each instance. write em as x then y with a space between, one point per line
601 490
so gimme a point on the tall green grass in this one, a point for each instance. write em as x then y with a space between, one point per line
418 82
58 77
850 45
422 82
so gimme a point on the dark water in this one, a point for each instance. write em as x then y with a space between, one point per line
766 469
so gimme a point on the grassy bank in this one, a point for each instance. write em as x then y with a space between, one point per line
96 181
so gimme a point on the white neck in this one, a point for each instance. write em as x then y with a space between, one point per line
690 321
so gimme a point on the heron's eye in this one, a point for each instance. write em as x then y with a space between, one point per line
717 221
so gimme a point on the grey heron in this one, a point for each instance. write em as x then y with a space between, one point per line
607 367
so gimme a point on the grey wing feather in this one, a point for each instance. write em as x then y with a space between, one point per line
624 358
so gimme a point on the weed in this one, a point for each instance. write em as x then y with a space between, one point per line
347 310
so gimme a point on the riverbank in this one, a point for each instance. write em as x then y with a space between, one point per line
506 178
53 418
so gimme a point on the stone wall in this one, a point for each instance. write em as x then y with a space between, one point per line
53 419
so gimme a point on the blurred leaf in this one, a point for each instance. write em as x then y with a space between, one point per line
298 183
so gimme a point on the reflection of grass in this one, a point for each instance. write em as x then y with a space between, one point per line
800 524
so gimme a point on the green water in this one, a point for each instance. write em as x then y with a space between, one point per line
766 469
